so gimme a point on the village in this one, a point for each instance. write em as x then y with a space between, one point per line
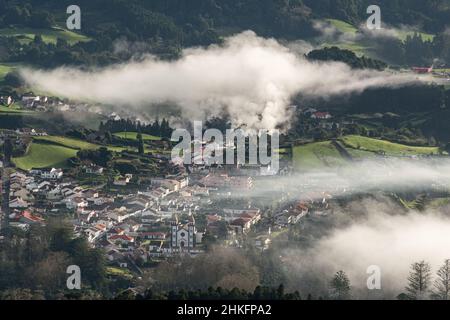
174 215
159 208
139 219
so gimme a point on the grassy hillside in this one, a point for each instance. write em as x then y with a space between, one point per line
342 26
78 144
381 146
54 151
43 155
133 136
318 155
68 142
25 35
361 46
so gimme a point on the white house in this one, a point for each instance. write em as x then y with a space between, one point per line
53 174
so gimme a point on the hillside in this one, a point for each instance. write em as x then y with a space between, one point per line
318 155
55 151
164 27
43 155
385 147
49 35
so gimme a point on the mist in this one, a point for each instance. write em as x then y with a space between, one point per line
358 177
249 78
356 234
328 32
381 236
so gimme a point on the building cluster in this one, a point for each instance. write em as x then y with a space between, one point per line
169 216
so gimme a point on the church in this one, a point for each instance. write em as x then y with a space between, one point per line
183 236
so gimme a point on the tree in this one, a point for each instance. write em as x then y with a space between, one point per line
13 79
140 143
418 280
442 283
340 286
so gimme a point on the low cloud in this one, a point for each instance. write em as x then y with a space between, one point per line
383 238
359 177
356 233
250 78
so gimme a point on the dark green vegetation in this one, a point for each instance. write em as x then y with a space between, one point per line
33 31
346 56
37 260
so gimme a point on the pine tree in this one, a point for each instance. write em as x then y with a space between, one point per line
418 281
340 286
442 283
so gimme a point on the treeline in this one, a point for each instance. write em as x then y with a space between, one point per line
415 50
157 128
346 56
422 285
431 15
27 14
164 27
403 100
219 293
49 55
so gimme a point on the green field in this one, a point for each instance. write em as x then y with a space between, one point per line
68 142
342 26
133 136
54 151
14 109
43 155
364 47
79 144
402 35
121 272
26 35
381 146
316 156
358 47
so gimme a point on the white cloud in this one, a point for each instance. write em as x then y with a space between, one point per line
251 78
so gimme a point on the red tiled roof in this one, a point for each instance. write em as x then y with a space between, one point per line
121 236
248 215
29 216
